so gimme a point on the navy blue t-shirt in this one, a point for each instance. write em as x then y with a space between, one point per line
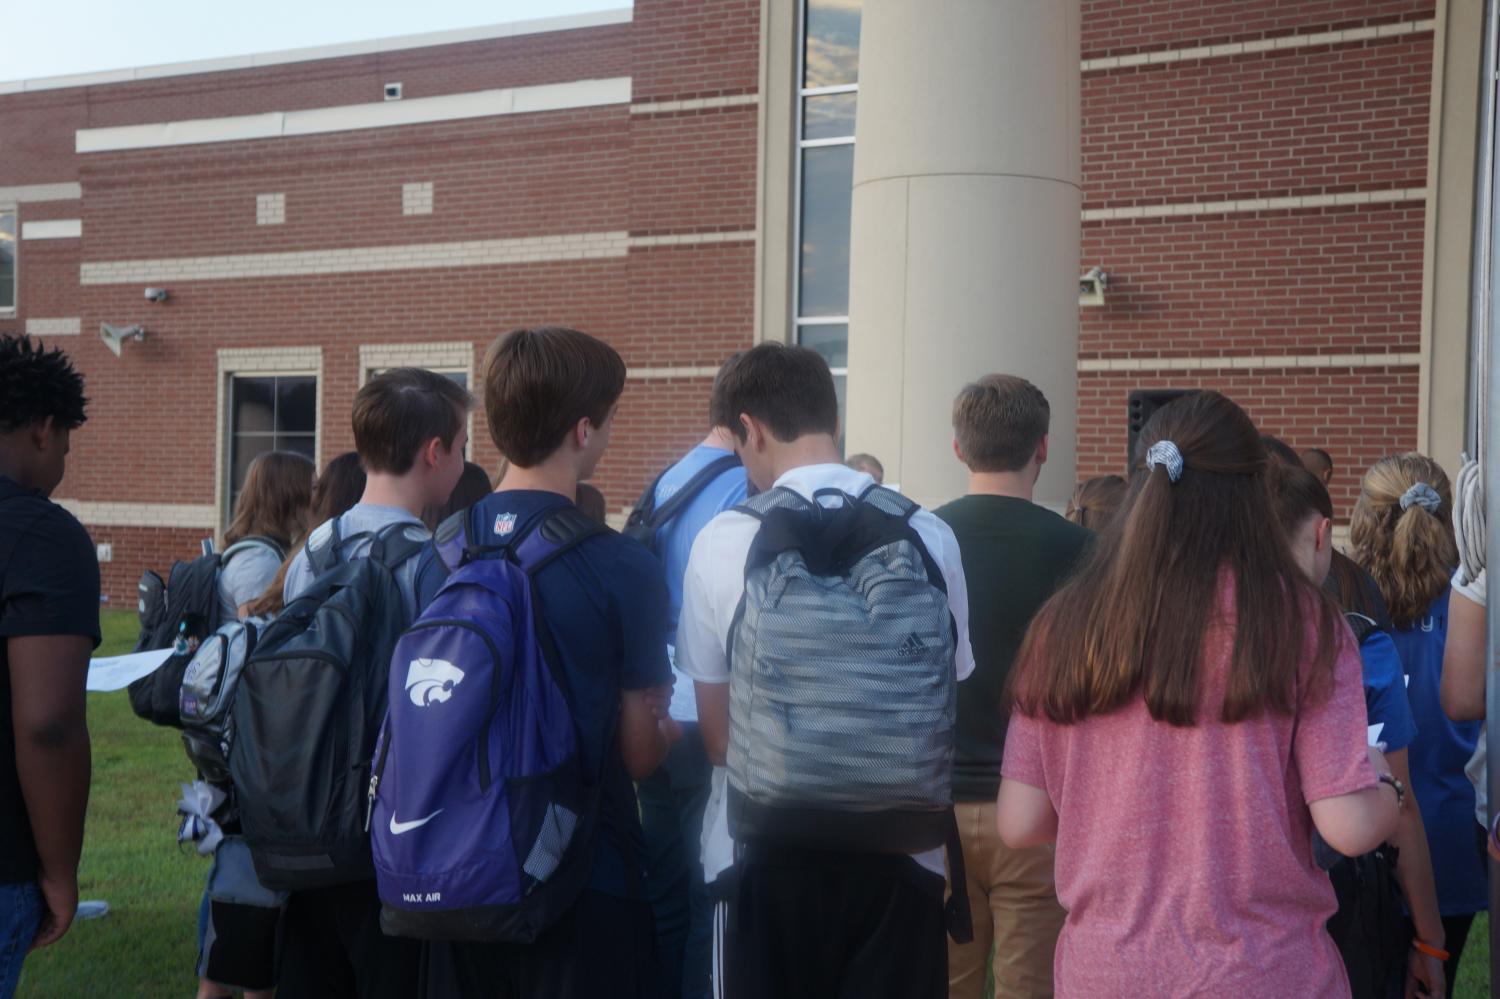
606 604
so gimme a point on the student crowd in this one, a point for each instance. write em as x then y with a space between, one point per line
788 733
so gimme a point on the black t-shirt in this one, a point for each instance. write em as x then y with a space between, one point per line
1016 554
49 585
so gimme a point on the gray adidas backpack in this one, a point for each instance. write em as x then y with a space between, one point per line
205 700
842 692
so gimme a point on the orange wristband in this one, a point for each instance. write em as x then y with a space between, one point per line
1430 950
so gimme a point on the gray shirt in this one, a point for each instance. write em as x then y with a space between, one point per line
244 577
363 517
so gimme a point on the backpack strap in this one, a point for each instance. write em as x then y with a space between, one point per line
391 546
551 536
1362 626
645 507
454 539
323 549
252 541
700 481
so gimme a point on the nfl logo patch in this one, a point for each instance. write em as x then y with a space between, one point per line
505 523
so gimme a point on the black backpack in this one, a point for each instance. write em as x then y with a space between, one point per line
647 518
1369 926
310 704
188 606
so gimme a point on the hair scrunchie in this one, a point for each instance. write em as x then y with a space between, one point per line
1166 454
1422 495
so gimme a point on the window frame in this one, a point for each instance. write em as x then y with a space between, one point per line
13 208
799 147
264 362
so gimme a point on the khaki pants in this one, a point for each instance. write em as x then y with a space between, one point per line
1013 902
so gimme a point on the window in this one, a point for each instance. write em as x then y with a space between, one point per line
269 413
7 259
828 88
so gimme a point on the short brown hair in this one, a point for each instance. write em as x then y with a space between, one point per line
538 383
399 411
789 389
999 422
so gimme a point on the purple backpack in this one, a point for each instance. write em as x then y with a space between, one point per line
482 818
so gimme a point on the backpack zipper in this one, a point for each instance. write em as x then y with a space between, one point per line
376 772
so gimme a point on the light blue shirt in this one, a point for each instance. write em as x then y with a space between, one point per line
362 517
674 543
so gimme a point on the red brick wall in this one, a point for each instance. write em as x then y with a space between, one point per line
1301 121
1358 415
151 436
1119 27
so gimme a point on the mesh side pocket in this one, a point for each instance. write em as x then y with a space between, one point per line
544 816
551 843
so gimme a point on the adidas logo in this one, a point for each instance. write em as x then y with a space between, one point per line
912 648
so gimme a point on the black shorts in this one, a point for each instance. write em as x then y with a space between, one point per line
832 926
604 948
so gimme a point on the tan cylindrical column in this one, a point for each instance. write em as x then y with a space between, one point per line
964 241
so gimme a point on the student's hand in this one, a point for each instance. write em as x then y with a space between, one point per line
660 700
1424 976
60 899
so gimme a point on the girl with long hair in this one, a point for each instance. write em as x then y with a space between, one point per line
1402 534
1156 698
1381 961
270 516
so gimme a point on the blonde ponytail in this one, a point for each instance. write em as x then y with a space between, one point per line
1402 533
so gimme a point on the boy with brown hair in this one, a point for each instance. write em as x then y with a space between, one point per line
1015 555
410 429
550 396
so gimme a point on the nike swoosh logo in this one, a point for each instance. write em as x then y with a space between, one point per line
397 828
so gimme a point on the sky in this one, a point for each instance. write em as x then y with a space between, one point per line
54 37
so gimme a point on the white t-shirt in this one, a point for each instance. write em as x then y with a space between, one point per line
714 583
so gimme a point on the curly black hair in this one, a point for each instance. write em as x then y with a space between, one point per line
36 383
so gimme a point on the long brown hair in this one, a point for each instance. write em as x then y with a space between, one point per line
338 488
275 500
1132 620
1411 553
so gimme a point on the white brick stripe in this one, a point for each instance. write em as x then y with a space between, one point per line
1257 204
693 238
71 326
52 229
354 117
458 36
657 374
412 256
180 515
696 104
65 191
1281 43
1243 362
379 356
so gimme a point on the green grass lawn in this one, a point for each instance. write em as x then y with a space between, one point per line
146 946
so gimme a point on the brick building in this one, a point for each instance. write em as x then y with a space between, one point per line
1261 183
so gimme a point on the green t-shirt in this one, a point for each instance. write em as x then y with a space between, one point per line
1016 554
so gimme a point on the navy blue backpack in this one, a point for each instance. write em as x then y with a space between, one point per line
482 817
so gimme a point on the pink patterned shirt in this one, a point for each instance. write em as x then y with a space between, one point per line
1184 855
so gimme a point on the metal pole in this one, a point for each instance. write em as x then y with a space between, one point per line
1486 355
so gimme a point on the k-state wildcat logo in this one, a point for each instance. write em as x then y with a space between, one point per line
431 681
505 523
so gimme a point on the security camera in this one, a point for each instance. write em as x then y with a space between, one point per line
1091 287
156 294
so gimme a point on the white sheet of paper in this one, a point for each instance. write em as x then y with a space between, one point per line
1375 732
119 672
